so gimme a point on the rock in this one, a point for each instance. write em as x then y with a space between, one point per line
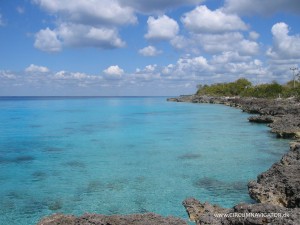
287 126
97 219
261 119
280 185
241 214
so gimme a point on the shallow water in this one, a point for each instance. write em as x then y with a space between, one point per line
125 155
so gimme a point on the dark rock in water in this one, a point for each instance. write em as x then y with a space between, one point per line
280 185
208 183
25 158
241 214
55 205
96 219
190 156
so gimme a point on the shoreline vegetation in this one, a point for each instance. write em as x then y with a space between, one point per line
276 191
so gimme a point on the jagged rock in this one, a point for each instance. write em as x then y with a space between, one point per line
97 219
241 214
280 185
286 126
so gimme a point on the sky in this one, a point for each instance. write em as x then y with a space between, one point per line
142 47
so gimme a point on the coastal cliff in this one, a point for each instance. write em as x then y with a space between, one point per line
278 189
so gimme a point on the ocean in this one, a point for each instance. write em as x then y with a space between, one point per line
123 155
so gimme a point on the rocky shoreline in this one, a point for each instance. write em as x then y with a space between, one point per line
277 191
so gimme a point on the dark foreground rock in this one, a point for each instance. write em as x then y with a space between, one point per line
97 219
283 115
280 185
241 214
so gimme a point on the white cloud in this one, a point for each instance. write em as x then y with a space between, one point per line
162 28
149 51
90 12
20 9
263 7
228 42
285 46
203 20
88 36
36 69
76 35
83 23
147 6
253 35
47 40
7 75
229 57
1 21
114 71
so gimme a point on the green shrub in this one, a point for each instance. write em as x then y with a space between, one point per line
243 87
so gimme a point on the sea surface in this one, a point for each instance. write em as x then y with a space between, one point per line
121 155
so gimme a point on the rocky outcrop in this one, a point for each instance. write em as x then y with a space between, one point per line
241 214
97 219
280 185
283 115
262 119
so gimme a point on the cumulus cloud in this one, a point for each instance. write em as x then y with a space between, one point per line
228 42
149 51
89 36
203 20
83 23
147 6
217 43
76 35
89 11
285 46
162 28
114 71
47 40
263 7
253 35
36 69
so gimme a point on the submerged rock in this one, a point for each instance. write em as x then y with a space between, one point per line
97 219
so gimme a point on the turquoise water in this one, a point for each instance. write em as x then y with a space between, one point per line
125 155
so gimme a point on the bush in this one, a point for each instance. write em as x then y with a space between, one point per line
243 87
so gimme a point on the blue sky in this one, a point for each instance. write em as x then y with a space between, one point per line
141 47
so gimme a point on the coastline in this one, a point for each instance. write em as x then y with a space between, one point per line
282 124
278 189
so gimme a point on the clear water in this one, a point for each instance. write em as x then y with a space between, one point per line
125 155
